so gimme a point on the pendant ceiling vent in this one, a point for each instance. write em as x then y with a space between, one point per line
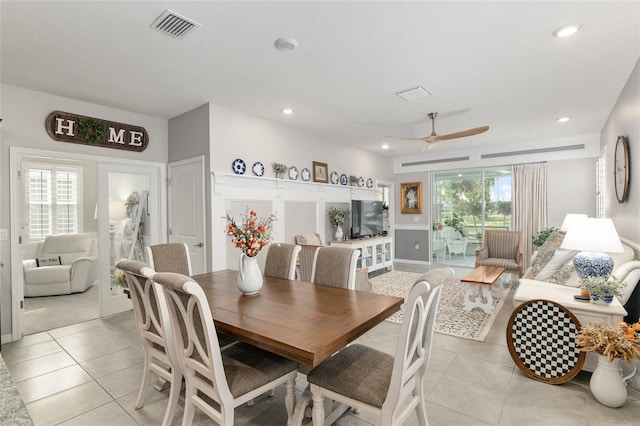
174 25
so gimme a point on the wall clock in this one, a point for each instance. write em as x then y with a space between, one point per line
621 169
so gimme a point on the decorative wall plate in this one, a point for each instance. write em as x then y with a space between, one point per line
334 177
293 173
239 166
369 183
306 174
360 181
344 180
258 168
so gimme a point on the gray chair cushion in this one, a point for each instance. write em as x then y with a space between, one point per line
358 372
247 367
170 257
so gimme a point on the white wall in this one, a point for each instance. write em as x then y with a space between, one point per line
238 135
625 120
24 113
571 188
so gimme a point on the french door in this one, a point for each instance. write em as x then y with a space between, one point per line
129 217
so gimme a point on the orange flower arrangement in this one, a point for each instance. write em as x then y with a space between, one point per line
252 234
622 341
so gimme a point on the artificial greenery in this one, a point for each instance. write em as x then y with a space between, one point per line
338 217
542 236
456 222
353 179
279 168
602 286
118 279
91 130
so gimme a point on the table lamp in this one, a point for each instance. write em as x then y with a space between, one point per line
593 237
570 219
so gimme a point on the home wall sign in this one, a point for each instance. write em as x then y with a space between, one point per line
74 128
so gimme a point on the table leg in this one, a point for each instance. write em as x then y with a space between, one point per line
478 295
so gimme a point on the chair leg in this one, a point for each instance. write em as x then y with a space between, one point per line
290 396
421 407
147 376
174 395
318 410
189 408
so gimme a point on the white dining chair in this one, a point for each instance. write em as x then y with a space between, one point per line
281 260
155 333
230 377
169 257
390 387
335 267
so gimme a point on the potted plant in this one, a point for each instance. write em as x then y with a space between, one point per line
602 289
542 236
279 169
338 217
353 180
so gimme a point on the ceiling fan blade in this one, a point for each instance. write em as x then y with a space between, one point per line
406 139
462 134
432 145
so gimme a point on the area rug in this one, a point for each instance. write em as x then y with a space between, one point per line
451 318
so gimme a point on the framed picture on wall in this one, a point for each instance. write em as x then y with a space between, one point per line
320 173
411 198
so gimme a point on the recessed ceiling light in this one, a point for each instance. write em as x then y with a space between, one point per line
385 146
567 30
287 111
286 44
563 119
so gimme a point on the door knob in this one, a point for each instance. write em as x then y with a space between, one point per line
199 245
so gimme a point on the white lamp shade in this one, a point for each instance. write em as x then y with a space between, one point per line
117 210
570 219
598 235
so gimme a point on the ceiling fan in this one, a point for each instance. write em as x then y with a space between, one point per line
433 138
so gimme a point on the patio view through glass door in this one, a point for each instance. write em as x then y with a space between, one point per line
463 204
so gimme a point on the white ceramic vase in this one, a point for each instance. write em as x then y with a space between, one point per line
339 234
607 384
249 275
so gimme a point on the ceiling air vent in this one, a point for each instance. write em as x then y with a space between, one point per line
415 93
174 25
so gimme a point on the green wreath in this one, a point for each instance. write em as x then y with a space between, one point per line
91 130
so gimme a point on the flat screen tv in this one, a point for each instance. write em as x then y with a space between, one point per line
366 218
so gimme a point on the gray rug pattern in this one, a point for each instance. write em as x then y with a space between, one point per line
451 318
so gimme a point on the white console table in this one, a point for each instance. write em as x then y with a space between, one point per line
585 311
375 252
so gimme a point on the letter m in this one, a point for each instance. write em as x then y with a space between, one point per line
116 137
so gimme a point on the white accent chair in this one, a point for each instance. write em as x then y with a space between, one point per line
456 243
155 333
76 273
376 382
230 377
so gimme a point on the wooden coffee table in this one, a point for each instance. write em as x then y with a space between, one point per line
479 282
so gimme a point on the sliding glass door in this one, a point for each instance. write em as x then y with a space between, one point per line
464 204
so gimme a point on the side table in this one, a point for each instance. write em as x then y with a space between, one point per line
585 311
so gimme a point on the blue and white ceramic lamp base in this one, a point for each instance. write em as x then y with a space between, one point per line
592 264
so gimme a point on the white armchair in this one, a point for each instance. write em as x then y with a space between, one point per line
456 243
76 272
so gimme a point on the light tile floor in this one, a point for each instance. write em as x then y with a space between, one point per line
89 373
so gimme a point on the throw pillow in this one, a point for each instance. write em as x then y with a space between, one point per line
566 275
48 261
545 252
557 261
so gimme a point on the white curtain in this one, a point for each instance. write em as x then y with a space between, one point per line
529 193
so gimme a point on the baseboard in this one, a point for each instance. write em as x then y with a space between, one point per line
7 338
413 262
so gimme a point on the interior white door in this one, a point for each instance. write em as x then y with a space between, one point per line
186 209
129 217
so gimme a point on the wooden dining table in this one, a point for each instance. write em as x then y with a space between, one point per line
298 320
